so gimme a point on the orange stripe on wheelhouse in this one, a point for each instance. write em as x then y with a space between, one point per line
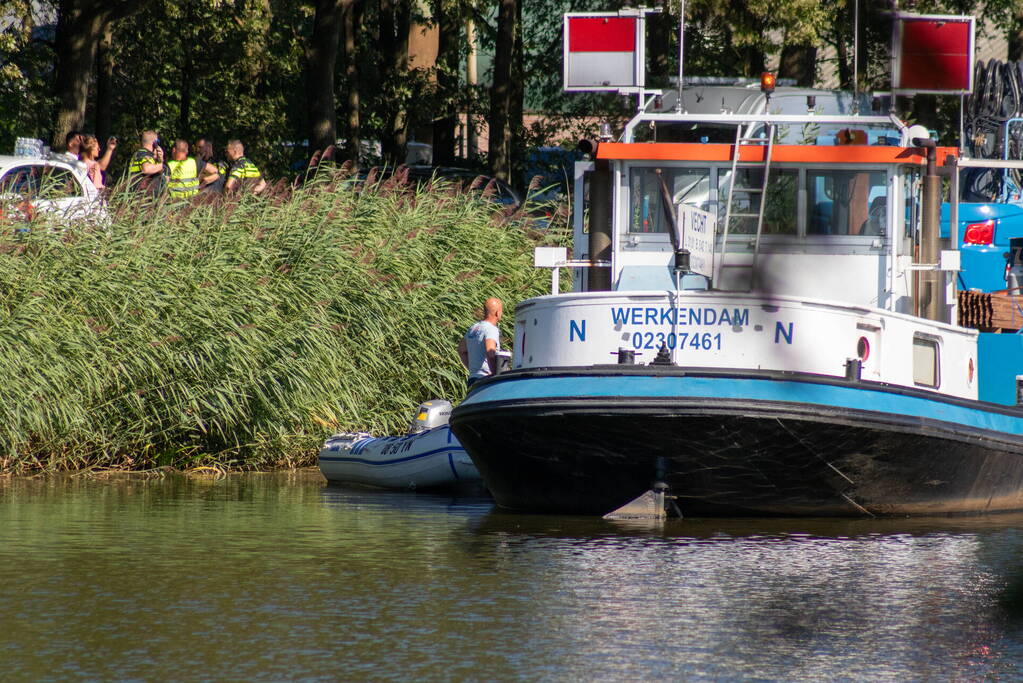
838 154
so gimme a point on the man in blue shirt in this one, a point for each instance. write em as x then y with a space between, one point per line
478 348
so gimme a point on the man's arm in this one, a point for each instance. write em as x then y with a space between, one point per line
490 347
463 353
208 174
155 166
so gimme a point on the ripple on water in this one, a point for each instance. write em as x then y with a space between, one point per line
267 577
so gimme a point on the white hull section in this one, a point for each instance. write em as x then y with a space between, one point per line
712 329
429 459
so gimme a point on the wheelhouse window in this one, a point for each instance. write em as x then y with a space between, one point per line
911 191
846 202
780 211
925 362
690 186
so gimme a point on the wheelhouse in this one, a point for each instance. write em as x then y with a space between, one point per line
839 216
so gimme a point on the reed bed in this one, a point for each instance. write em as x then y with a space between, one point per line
238 334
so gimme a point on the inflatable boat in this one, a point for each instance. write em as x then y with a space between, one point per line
427 457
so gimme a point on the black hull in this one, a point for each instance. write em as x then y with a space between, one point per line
734 457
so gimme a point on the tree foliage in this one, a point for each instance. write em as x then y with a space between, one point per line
258 70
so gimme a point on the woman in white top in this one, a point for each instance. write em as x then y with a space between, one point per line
94 164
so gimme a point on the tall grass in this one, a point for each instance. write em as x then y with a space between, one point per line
240 333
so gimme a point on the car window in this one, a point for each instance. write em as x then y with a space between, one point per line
36 181
21 180
59 183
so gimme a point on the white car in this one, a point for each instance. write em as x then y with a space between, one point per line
47 188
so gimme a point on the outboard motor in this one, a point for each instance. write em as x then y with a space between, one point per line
430 414
1014 265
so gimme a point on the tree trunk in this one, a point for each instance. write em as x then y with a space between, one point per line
395 20
661 28
322 59
188 73
78 32
1016 37
516 119
799 62
501 92
105 84
753 58
80 24
352 27
471 81
845 76
448 29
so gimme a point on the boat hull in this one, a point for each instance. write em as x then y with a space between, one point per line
430 460
727 443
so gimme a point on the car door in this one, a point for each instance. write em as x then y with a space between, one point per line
61 192
51 189
18 186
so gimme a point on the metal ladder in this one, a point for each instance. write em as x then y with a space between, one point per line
757 196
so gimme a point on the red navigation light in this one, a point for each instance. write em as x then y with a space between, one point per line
767 82
980 233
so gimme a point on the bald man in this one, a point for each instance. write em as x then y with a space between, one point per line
478 348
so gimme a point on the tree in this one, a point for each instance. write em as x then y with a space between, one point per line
449 27
394 21
80 25
502 92
321 56
352 20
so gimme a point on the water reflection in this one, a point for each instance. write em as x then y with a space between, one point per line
282 577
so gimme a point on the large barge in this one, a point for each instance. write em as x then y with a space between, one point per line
767 323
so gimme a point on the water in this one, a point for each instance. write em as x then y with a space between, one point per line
280 577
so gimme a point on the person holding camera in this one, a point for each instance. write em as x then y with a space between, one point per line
146 170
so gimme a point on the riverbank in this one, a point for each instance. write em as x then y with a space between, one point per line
236 335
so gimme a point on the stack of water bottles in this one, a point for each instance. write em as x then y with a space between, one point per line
29 147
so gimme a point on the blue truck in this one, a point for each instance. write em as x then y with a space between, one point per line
990 218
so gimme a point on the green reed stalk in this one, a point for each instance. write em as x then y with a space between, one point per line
242 333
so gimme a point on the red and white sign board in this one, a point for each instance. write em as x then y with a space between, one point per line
602 51
932 54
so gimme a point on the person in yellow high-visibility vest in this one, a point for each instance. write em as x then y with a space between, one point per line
145 172
183 180
243 174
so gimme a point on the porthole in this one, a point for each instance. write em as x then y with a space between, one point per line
863 349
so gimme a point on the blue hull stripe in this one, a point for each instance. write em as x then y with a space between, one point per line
364 461
863 397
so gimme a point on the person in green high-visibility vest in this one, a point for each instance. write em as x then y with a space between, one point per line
243 174
183 179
